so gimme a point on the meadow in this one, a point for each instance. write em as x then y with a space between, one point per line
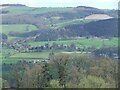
24 57
9 56
14 57
83 42
64 23
19 28
30 10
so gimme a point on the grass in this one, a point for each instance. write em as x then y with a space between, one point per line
18 9
31 55
96 42
47 10
0 55
11 56
10 61
23 56
31 10
14 56
19 28
6 51
28 56
14 38
69 22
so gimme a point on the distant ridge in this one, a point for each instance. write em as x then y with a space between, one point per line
12 5
86 7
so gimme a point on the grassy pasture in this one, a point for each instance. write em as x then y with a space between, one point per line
47 10
19 28
17 9
83 42
31 56
69 22
31 10
0 55
10 61
17 56
24 56
11 56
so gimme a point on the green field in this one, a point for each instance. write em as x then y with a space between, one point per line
70 22
30 10
31 55
10 61
11 56
28 56
19 28
83 42
24 56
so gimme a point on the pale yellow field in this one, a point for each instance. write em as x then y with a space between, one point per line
1 7
98 16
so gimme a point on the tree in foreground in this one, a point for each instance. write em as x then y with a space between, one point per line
93 82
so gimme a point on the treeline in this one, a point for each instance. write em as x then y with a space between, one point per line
63 71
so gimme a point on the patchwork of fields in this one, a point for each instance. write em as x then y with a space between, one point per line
11 56
57 21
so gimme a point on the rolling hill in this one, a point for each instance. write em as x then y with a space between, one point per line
54 23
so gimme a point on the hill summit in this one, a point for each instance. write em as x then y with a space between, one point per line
12 5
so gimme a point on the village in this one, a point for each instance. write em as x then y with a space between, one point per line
22 46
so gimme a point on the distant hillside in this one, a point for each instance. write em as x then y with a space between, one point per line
31 15
96 28
86 8
102 28
64 13
64 22
12 5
